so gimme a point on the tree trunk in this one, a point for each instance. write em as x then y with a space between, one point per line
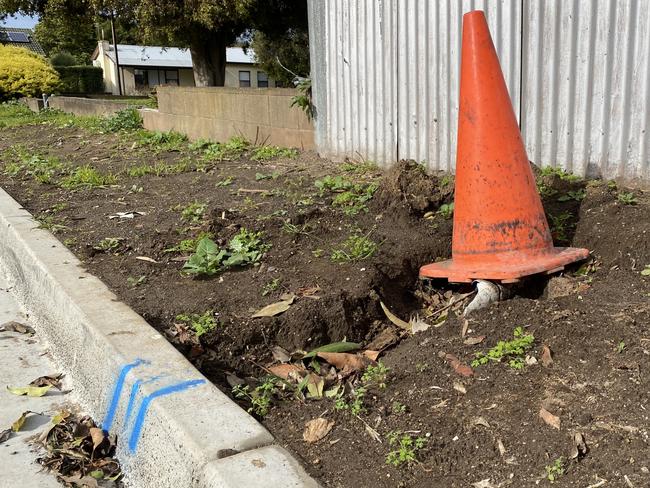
209 58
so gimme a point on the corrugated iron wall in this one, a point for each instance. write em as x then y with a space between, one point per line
385 79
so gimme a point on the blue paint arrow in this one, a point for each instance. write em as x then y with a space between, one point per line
117 391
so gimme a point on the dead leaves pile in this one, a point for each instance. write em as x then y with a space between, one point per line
78 452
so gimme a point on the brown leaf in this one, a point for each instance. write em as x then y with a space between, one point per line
274 309
472 341
308 291
317 429
14 326
280 354
386 338
5 435
547 356
372 355
285 371
394 318
549 418
48 380
81 482
97 435
463 330
344 360
315 386
579 447
460 368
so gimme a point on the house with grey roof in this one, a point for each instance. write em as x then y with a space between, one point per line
144 67
14 36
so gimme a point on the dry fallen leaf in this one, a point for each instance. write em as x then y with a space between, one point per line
147 259
472 341
579 447
465 326
5 435
18 424
14 326
51 380
281 354
372 355
384 339
460 368
274 309
30 391
286 370
547 356
315 386
395 319
501 447
480 421
344 360
549 418
97 435
460 387
317 429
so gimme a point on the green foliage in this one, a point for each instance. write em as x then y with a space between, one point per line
108 244
560 225
514 351
555 470
559 172
355 248
304 98
271 286
360 168
646 271
69 31
63 58
291 48
262 176
49 222
620 347
265 153
260 397
80 79
398 408
193 212
304 229
356 403
244 249
627 198
25 73
162 141
376 375
41 168
406 448
226 151
544 190
123 121
199 323
158 169
86 177
135 282
189 245
351 196
446 210
224 182
577 195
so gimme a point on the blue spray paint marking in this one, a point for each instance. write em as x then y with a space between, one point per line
117 391
134 393
144 406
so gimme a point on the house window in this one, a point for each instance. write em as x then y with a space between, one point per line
244 79
171 77
262 79
141 79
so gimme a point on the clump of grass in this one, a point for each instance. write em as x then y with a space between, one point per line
560 226
125 120
352 197
355 248
266 153
224 182
108 244
189 245
232 149
260 397
626 198
49 222
406 448
559 172
513 351
193 212
577 195
359 168
86 177
200 323
158 169
162 141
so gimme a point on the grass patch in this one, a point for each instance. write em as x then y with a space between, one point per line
355 248
125 120
360 168
192 212
559 172
200 324
87 177
42 169
627 198
513 351
266 153
351 197
222 151
108 244
158 169
162 141
49 222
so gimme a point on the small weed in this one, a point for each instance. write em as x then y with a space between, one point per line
611 184
627 198
162 141
294 229
189 245
577 195
262 176
260 397
271 286
376 375
446 210
560 226
318 253
514 351
545 191
620 347
58 207
398 408
352 197
355 405
48 222
134 282
421 367
446 180
559 172
193 212
555 470
646 270
355 248
406 446
244 249
200 324
108 244
70 241
232 149
87 177
125 120
265 153
41 168
225 182
359 168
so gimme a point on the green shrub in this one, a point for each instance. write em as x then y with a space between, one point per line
63 58
125 120
24 73
81 79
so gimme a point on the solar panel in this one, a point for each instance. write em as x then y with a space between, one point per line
17 36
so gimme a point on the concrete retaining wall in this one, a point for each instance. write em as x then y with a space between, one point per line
85 106
217 113
35 104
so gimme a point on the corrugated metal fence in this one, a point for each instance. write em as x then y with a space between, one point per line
385 79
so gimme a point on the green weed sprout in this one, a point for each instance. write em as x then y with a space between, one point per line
514 351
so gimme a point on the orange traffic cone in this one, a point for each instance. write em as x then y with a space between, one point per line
500 231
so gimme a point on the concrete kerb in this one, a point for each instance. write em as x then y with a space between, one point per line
174 428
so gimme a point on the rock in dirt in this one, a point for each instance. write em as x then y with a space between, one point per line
317 429
559 286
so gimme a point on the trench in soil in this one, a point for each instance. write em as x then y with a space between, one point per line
595 324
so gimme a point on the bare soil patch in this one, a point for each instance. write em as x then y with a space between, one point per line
595 319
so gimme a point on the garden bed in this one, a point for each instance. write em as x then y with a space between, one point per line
336 242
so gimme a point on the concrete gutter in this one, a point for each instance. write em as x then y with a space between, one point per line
174 428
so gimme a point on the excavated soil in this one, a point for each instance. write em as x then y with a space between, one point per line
483 427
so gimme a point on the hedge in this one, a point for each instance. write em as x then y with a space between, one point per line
81 79
25 73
